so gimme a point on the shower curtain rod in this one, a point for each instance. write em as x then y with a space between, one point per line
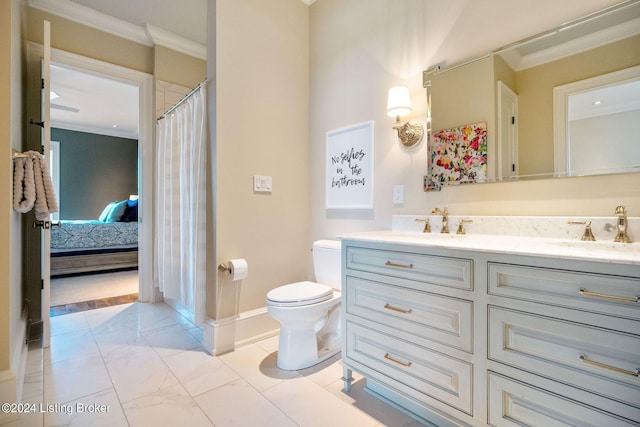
184 98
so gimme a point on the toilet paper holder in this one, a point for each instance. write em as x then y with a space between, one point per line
236 268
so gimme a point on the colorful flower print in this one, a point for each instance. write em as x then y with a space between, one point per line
458 155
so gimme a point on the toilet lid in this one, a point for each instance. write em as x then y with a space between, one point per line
300 293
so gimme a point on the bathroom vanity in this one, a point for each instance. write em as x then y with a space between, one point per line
504 330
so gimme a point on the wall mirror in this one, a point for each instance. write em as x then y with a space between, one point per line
527 94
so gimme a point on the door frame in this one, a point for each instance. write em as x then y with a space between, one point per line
146 146
507 151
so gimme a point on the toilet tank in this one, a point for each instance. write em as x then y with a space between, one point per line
327 262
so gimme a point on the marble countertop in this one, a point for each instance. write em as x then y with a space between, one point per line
528 244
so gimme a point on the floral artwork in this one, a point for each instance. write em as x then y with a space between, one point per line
457 156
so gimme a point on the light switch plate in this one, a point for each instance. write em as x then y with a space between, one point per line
262 184
398 194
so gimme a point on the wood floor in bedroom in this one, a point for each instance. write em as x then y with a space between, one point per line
87 292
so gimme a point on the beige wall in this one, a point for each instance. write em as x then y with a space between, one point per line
178 68
5 178
360 48
262 85
11 77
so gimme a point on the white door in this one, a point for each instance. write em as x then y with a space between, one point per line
508 167
46 148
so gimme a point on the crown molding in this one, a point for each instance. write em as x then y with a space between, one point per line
170 40
98 130
92 18
582 44
148 35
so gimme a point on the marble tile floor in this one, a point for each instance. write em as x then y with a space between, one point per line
142 364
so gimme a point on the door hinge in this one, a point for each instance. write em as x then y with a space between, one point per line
513 120
513 167
42 84
41 284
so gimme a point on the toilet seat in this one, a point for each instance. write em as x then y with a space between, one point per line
299 294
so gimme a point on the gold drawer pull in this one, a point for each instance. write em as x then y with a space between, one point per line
586 293
398 309
393 264
586 360
399 362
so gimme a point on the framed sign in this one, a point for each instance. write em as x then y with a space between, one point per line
349 163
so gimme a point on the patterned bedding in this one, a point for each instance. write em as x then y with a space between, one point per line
79 235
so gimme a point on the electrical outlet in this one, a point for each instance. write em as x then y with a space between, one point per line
398 194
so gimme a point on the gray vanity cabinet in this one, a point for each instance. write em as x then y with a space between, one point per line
467 337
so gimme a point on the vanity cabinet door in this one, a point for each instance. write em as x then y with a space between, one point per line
433 317
416 371
515 404
424 269
593 358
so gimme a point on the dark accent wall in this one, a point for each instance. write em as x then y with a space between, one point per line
94 170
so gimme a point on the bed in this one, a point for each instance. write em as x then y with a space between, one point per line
108 243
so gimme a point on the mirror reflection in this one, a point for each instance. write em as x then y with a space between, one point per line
596 123
515 91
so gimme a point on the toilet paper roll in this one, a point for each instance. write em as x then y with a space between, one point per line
239 269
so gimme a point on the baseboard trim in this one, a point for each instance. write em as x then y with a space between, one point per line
225 335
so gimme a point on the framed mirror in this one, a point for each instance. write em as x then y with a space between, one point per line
512 89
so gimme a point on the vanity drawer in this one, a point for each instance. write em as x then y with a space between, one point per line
412 369
604 293
442 319
516 404
601 360
442 271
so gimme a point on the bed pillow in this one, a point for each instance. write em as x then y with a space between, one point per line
131 212
117 211
106 211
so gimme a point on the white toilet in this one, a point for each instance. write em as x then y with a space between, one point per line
309 312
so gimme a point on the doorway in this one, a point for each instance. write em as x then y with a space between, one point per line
144 85
95 122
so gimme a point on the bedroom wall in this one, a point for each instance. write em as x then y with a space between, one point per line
94 170
360 48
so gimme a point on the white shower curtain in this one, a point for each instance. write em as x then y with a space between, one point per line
181 206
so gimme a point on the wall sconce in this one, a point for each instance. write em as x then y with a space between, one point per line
399 105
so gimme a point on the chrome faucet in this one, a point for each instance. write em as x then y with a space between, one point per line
445 219
621 225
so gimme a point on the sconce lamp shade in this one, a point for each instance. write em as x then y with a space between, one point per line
399 102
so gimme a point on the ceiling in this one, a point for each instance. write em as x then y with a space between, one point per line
94 104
